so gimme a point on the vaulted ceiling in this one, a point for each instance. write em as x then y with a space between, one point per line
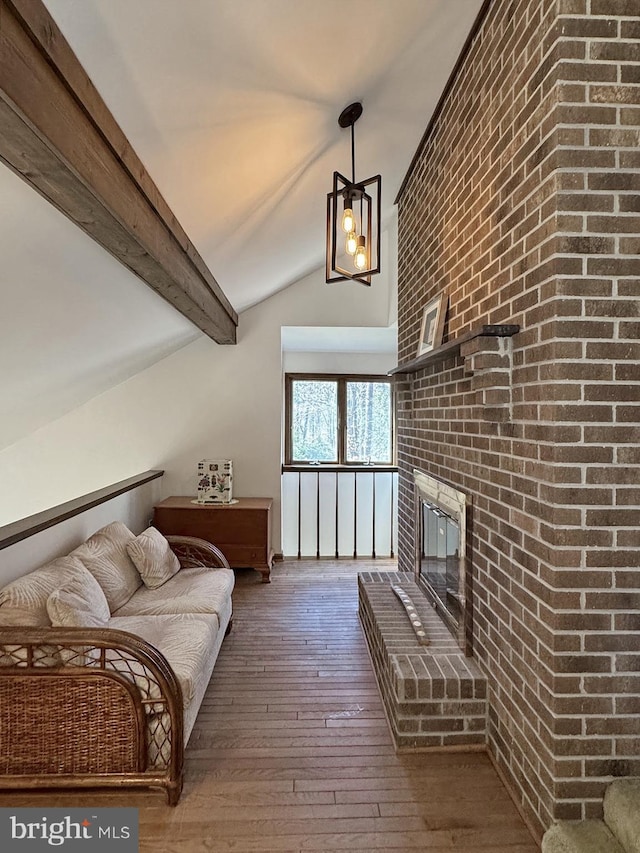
232 106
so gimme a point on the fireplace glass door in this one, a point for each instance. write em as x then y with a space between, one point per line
441 554
440 557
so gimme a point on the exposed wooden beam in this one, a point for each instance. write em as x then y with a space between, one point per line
57 133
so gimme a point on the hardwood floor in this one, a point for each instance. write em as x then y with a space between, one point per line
291 750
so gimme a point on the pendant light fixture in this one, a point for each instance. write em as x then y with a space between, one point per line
353 218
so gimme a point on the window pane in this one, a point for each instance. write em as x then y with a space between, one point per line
368 422
314 421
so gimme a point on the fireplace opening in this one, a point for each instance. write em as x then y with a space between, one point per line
441 558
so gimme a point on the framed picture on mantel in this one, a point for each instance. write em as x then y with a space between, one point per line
432 324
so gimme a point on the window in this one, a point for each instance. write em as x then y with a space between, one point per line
339 420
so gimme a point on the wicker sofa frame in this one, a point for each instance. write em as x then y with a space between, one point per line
76 704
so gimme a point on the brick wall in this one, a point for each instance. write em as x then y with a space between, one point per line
524 206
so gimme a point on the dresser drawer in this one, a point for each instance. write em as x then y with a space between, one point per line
243 557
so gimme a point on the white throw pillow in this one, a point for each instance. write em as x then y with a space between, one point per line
24 601
105 555
80 603
153 558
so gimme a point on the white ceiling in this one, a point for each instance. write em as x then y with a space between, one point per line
232 105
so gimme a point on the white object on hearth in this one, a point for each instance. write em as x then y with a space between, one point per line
410 610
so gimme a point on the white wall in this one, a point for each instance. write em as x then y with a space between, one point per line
73 321
368 363
203 401
134 508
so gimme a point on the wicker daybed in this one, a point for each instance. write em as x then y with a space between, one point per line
108 704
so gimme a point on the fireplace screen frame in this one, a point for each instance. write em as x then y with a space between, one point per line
442 497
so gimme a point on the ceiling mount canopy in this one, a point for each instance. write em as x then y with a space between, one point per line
350 115
353 218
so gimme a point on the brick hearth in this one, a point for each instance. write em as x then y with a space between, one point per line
433 695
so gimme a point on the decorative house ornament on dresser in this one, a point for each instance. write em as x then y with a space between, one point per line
353 218
215 481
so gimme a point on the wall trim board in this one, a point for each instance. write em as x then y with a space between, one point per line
25 527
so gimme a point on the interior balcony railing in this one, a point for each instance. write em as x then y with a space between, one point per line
339 511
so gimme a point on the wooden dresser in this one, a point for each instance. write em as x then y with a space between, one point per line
241 530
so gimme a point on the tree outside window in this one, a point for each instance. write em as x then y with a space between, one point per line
343 420
314 422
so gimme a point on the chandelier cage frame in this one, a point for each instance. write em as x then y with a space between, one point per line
367 195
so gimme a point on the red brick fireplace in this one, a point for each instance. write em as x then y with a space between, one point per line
523 205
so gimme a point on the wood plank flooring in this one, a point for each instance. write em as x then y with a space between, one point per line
291 751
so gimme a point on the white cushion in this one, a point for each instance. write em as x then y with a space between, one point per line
24 601
105 555
187 642
190 643
153 558
196 590
81 603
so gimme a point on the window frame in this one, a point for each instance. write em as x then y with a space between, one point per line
341 379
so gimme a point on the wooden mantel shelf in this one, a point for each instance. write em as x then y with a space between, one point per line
452 348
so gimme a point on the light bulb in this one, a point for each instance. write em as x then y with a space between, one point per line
352 243
348 220
360 258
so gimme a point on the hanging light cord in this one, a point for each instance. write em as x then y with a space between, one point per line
353 152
